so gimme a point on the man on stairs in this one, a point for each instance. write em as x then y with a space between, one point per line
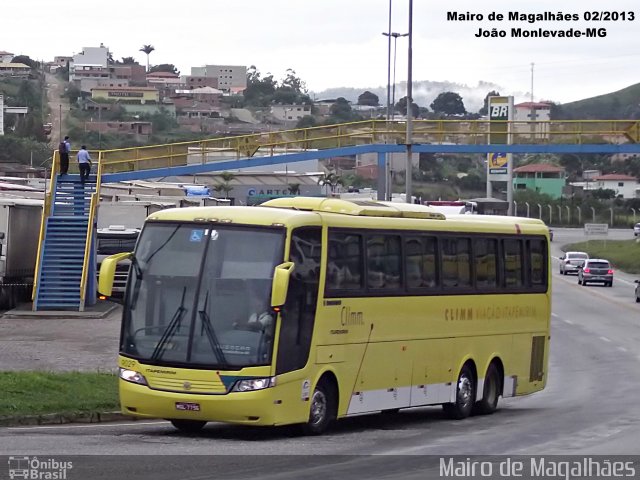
84 164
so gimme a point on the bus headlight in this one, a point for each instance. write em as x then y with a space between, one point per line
132 376
249 385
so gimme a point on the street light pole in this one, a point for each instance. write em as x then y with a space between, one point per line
395 36
409 139
389 65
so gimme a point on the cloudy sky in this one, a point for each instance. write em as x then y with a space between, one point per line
333 43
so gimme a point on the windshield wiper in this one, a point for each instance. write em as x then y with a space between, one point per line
171 329
211 334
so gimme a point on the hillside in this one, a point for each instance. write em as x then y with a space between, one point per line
622 104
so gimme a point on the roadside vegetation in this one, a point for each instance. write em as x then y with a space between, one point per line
623 254
39 393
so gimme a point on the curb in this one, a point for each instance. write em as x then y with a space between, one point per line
64 418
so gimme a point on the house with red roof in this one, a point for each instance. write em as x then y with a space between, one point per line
624 185
540 177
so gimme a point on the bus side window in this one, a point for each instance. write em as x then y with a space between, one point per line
456 262
538 262
384 267
513 260
485 258
344 262
421 262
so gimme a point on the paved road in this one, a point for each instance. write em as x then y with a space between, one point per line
589 408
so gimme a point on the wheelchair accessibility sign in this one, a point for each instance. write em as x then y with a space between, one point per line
196 235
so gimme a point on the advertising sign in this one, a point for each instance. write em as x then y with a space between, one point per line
500 113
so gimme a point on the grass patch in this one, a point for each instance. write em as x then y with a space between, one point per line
623 254
37 393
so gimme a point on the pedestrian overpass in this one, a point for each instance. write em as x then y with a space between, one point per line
65 267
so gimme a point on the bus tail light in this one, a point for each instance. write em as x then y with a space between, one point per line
252 384
132 376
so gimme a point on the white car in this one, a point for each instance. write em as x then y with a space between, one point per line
636 229
571 262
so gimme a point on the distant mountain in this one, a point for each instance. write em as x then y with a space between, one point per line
622 104
424 92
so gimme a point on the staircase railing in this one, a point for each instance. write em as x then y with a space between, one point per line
95 200
46 211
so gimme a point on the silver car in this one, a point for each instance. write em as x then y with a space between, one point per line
636 229
596 270
570 262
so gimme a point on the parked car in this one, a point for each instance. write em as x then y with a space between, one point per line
637 291
636 229
570 262
596 270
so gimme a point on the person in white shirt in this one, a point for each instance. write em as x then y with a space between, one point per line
84 163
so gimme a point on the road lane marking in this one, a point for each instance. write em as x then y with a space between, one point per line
105 424
622 349
555 315
568 321
605 339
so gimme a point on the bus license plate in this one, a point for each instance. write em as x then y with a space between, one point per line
188 406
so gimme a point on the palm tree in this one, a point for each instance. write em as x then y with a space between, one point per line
330 179
224 185
294 189
147 49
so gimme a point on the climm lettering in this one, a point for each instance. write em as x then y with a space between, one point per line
458 314
347 317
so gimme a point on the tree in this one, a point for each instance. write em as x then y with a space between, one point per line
147 49
164 67
331 180
306 122
603 194
128 61
341 110
449 103
25 60
401 107
259 91
224 184
294 189
368 98
294 82
485 108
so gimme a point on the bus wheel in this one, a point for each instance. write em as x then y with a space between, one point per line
490 392
465 396
188 426
322 410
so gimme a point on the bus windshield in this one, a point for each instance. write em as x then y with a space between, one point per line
199 294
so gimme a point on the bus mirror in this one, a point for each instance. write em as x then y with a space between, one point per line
280 285
108 271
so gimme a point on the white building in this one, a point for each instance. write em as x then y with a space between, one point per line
231 78
527 112
624 185
290 113
5 57
92 62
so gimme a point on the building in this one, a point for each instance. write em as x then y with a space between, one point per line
62 60
290 113
14 70
92 63
231 78
540 177
141 131
527 112
209 95
5 57
201 81
624 185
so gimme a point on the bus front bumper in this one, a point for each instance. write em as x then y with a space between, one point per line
258 407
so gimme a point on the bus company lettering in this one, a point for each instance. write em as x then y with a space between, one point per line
488 313
348 318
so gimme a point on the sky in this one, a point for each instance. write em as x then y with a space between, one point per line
339 43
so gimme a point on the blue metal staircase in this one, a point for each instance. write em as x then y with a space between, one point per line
63 248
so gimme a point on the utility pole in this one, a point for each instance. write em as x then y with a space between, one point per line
409 139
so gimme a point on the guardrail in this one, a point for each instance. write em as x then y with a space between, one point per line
366 132
95 200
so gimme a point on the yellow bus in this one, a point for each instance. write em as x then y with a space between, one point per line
306 310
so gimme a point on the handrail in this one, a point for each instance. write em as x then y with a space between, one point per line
46 211
95 199
354 133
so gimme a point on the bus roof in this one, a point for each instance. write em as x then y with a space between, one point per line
312 211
